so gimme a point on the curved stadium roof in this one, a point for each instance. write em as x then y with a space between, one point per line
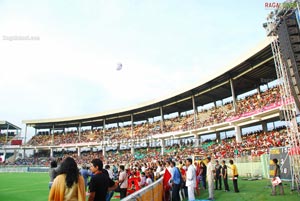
247 73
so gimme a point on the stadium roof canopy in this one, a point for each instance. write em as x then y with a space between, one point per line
5 125
247 73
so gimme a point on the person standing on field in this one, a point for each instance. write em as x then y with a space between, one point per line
235 176
277 174
218 177
69 184
210 178
190 179
225 176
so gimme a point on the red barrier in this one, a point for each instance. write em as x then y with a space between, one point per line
16 142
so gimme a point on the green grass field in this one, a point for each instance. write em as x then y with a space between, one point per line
34 187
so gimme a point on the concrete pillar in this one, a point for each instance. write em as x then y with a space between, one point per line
233 96
162 142
52 133
264 126
25 135
6 136
218 136
197 139
132 143
162 119
238 134
195 110
132 150
118 146
103 130
51 152
79 131
78 151
258 90
104 151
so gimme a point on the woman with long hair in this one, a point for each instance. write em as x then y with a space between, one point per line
69 184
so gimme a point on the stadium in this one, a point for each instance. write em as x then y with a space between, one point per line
247 112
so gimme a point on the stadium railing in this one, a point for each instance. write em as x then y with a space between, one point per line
23 169
152 192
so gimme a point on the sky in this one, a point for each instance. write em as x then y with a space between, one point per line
60 58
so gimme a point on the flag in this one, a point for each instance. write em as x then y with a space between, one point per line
167 177
166 186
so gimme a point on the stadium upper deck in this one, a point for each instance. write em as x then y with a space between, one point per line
247 73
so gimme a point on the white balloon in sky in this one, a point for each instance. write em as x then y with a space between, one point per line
119 66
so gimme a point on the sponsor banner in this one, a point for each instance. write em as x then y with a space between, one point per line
247 114
79 144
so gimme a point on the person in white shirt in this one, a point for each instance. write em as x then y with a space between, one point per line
210 178
143 180
170 168
110 173
148 180
144 167
190 179
158 169
123 181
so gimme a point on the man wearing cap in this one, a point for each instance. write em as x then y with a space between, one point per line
190 179
210 178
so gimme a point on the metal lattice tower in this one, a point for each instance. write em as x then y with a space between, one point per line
289 107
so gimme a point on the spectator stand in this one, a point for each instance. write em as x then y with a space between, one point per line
9 131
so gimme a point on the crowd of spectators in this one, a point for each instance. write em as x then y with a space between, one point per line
218 114
252 145
5 138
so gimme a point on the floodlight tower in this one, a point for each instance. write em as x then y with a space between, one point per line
283 30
